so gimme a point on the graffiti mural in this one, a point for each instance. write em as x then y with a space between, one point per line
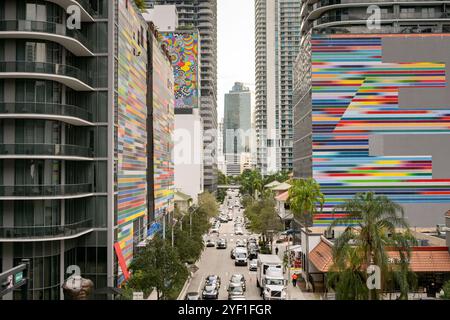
183 49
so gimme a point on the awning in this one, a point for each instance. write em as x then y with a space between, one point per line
426 259
422 259
283 197
296 248
322 256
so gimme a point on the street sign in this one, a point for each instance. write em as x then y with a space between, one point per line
138 295
18 277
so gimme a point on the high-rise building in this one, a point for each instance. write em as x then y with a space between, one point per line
277 31
236 127
75 183
183 47
202 15
220 155
370 104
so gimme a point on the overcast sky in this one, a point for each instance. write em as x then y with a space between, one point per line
236 46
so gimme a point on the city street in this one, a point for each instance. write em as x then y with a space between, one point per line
218 262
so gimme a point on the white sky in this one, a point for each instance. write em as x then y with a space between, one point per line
236 46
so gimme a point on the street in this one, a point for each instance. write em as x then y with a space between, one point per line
218 262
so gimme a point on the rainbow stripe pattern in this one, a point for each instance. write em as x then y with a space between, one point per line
163 127
355 95
131 129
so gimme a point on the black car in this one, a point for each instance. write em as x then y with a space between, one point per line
210 291
213 279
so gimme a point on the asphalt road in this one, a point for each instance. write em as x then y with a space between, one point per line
218 262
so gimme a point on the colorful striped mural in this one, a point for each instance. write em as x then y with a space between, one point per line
163 126
131 128
183 49
354 96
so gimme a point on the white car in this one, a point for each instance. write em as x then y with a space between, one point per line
253 265
215 230
238 232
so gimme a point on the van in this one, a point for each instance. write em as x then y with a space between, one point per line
241 256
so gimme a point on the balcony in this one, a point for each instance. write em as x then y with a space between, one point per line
87 12
73 40
67 75
32 233
36 192
49 111
45 151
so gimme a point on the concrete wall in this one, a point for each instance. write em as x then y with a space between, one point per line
188 154
165 17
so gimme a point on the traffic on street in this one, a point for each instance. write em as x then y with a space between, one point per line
231 266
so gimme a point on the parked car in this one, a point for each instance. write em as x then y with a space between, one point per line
210 291
238 278
238 232
213 279
253 265
221 244
192 296
209 243
235 290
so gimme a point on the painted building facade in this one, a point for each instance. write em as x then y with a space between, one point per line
379 120
131 132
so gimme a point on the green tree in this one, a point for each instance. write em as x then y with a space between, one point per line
140 4
446 289
222 180
305 199
371 228
207 203
158 266
263 219
251 182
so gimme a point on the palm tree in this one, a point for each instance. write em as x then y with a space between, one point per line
305 199
371 228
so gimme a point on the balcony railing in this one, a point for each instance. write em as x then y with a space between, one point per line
45 67
45 190
43 26
46 150
33 232
45 108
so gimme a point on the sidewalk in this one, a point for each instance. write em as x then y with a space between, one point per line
294 293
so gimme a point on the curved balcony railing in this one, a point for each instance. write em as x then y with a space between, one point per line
46 68
45 108
45 150
33 232
45 27
45 190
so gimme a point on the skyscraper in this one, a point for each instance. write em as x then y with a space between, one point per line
277 45
370 104
236 126
202 14
74 135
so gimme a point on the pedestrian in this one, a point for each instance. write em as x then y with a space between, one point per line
276 250
294 279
